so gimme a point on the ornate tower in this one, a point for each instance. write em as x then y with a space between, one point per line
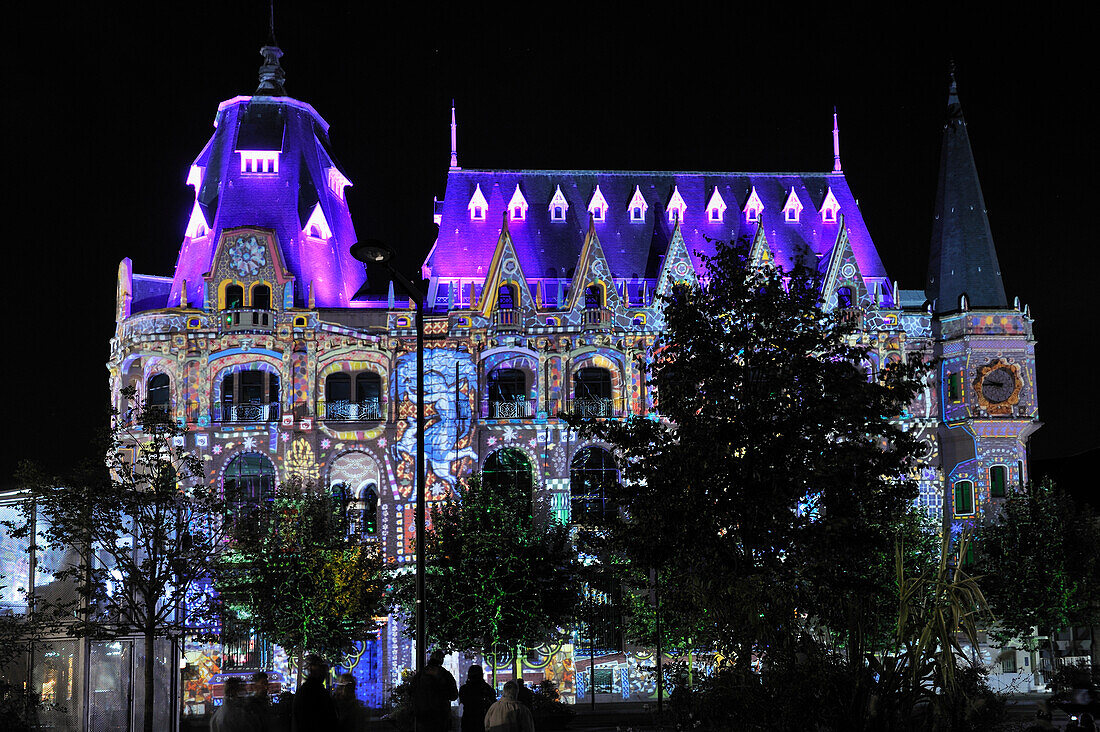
986 348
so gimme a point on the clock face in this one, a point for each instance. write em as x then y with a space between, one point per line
998 385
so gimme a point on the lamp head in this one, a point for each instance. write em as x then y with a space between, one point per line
371 251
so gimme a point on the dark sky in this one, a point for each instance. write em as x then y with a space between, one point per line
107 107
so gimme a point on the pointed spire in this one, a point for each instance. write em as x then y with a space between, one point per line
272 75
454 139
836 145
962 257
183 294
312 298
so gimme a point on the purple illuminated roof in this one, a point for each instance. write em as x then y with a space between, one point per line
549 249
292 135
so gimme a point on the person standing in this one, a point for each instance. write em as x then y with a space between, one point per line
433 690
313 707
476 696
509 714
350 712
234 715
260 702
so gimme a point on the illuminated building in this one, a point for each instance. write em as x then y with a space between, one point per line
543 297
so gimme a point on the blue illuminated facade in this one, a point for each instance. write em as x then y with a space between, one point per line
543 297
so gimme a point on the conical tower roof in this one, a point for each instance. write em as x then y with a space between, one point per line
963 259
270 164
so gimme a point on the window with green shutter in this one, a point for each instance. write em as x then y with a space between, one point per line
998 481
964 498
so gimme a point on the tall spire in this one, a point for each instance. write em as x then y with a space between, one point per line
272 75
454 139
836 145
963 259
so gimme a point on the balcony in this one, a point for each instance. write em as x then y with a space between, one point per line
594 407
596 317
515 408
230 321
345 411
506 320
246 413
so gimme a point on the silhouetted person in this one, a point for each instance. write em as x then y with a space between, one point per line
476 697
313 707
351 713
234 715
260 703
433 690
509 714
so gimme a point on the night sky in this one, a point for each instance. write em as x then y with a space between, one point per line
107 108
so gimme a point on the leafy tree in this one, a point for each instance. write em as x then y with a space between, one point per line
141 528
495 576
295 575
1040 561
773 485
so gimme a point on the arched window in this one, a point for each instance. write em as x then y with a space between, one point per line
506 299
247 483
368 394
234 297
367 518
250 396
998 481
338 388
964 498
592 477
510 469
261 297
593 297
157 392
592 392
507 390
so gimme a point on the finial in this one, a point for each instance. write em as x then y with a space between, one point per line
311 298
272 75
454 139
504 226
183 294
836 144
954 107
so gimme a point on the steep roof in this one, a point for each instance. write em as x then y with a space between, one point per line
962 258
634 249
307 177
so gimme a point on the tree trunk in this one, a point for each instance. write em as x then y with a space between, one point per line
517 665
150 665
298 676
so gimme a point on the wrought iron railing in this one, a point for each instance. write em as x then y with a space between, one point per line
246 319
593 407
246 413
515 408
346 411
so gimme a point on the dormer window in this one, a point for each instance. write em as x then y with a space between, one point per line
637 206
753 207
558 205
598 205
792 209
676 206
716 207
259 161
337 181
316 225
517 207
478 205
829 208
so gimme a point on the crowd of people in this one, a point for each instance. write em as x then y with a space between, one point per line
433 689
312 709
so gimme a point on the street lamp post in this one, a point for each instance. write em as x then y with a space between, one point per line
373 251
